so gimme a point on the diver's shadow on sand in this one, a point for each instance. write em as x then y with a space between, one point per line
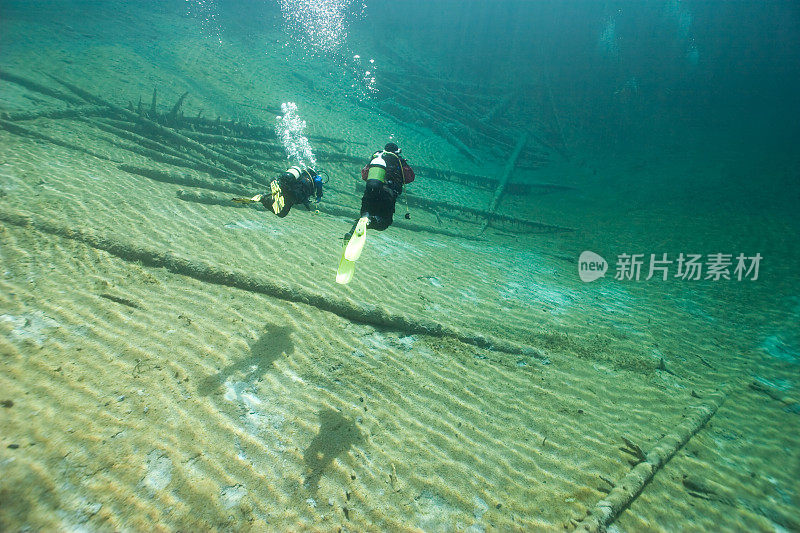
273 343
336 435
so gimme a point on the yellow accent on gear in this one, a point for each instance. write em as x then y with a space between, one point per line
356 245
277 196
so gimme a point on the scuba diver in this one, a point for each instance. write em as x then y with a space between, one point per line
295 186
385 174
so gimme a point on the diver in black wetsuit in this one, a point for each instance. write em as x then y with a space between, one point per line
385 174
295 186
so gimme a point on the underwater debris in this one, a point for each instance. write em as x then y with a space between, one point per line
501 187
75 112
608 482
27 132
707 489
414 95
167 133
172 117
628 489
120 300
662 366
633 449
471 214
792 404
39 87
212 199
210 273
184 179
182 141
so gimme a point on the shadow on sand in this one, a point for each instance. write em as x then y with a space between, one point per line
274 342
336 435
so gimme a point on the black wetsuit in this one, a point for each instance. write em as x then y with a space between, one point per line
294 191
380 197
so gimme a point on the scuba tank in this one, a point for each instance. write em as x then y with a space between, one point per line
376 170
294 171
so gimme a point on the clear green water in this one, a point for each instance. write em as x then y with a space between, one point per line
172 360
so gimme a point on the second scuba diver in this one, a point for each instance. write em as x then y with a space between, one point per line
295 186
385 174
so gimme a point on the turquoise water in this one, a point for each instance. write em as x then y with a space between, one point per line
174 360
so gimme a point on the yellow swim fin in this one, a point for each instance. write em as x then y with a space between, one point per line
356 245
345 271
277 196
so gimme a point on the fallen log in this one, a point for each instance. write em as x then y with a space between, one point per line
157 128
501 104
460 212
501 187
229 126
629 488
15 128
791 403
210 199
234 141
153 147
329 208
449 136
74 112
205 271
563 149
188 180
39 88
